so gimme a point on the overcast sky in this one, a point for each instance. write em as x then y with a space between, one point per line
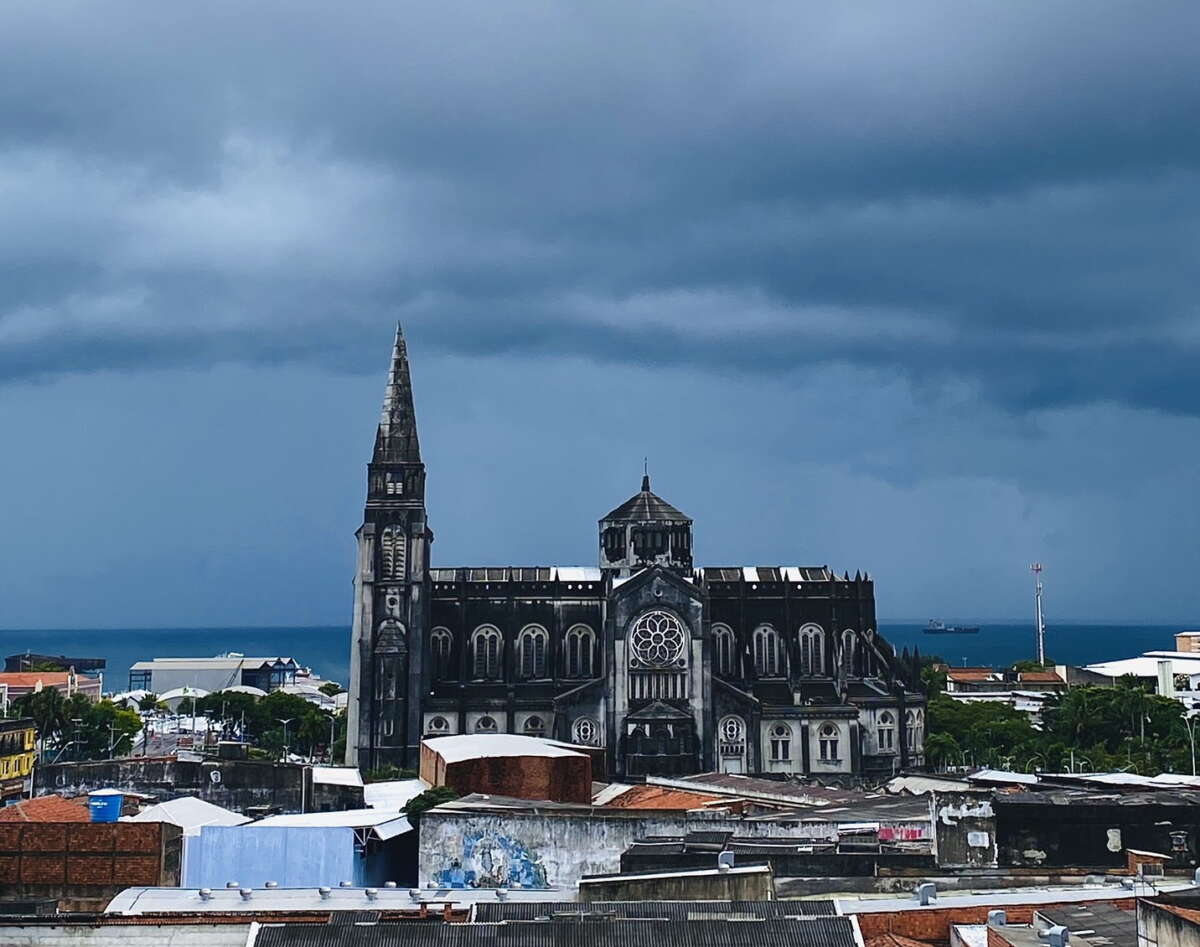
902 287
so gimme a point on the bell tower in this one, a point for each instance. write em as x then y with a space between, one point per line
391 587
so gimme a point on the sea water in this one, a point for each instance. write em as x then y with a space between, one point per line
327 649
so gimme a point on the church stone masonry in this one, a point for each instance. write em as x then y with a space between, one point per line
672 669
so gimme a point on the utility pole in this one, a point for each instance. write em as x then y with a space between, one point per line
1036 569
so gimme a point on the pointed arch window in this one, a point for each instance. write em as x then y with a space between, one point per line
848 648
392 548
723 646
531 648
886 731
441 645
913 723
766 652
485 649
812 651
581 649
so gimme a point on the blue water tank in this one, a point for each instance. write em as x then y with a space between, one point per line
105 804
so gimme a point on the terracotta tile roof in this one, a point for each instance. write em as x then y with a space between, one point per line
45 809
30 678
1040 677
971 674
894 940
661 797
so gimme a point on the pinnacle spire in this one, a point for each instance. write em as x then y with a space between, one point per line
396 441
645 475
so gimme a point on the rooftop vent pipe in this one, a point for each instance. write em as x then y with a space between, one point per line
414 893
502 894
232 884
926 892
205 894
1058 936
324 893
724 861
1196 876
345 884
271 884
371 893
245 893
997 919
389 884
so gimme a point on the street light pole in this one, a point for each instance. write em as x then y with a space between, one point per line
1189 721
285 721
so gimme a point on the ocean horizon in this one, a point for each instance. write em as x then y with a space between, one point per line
326 648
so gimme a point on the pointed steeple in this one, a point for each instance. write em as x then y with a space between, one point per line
396 441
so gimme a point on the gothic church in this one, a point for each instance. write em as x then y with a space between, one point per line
673 669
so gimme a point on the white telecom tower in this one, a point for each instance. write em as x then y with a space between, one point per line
1036 569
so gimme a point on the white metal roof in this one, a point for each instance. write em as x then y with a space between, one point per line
220 663
179 693
346 817
1146 665
393 794
189 813
577 573
337 775
133 901
473 746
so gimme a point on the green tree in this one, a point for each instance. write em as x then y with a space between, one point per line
421 804
47 708
331 689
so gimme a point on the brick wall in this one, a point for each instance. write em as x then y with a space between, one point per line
559 778
86 862
933 924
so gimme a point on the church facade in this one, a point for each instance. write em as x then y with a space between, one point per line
673 669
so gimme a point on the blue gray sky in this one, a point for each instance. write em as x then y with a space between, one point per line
908 288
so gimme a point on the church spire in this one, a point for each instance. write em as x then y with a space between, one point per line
396 441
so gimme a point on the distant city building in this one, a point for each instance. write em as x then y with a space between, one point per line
18 746
213 674
17 684
672 669
54 662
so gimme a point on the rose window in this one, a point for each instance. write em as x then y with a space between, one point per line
658 640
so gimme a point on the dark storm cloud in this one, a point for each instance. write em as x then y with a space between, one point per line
1002 197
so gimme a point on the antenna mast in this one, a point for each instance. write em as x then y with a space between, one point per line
1036 569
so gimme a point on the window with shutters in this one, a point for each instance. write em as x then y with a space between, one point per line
392 547
766 652
532 652
723 646
581 644
485 649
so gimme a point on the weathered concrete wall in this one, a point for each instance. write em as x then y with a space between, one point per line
1094 834
711 886
234 784
1159 926
539 850
784 865
965 829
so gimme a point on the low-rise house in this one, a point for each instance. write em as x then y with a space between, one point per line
19 684
508 764
18 751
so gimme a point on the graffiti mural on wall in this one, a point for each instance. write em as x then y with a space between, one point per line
493 861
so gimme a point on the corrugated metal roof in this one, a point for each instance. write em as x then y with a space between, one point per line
494 911
752 932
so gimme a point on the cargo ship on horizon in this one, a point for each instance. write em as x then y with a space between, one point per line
936 627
